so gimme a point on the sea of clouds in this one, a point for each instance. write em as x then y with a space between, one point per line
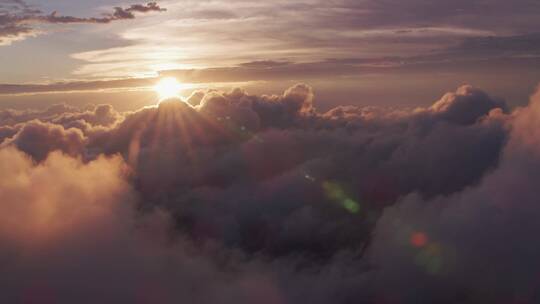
234 198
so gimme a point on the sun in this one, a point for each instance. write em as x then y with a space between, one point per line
168 88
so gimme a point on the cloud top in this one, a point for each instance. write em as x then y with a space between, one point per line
235 197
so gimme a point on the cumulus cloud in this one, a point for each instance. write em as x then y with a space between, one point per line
78 237
477 244
466 105
38 139
231 197
18 20
75 237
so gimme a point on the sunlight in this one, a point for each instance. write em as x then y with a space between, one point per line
168 88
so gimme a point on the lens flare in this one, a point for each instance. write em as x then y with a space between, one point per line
168 88
335 192
419 239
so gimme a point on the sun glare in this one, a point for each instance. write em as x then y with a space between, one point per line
168 88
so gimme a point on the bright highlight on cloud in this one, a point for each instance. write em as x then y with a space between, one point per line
237 198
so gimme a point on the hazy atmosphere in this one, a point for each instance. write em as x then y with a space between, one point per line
273 152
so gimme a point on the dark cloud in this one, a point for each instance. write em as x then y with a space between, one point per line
38 139
11 29
466 105
517 44
62 114
76 86
118 14
247 198
18 20
264 64
470 237
414 13
7 131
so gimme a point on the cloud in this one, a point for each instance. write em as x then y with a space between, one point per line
36 218
118 14
74 86
82 238
234 138
466 105
412 32
473 57
520 44
38 139
472 236
11 31
18 21
412 36
240 198
75 235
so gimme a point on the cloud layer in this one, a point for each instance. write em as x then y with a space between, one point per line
229 197
18 19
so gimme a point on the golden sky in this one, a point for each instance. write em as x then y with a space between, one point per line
345 46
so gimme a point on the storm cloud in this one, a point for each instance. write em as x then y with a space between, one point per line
237 198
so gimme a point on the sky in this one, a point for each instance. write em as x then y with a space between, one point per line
385 52
272 152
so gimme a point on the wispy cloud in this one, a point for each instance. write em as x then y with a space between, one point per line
225 33
18 19
476 53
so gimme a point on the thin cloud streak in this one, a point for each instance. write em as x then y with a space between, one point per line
473 55
17 21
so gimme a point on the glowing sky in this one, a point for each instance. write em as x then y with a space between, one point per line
360 46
